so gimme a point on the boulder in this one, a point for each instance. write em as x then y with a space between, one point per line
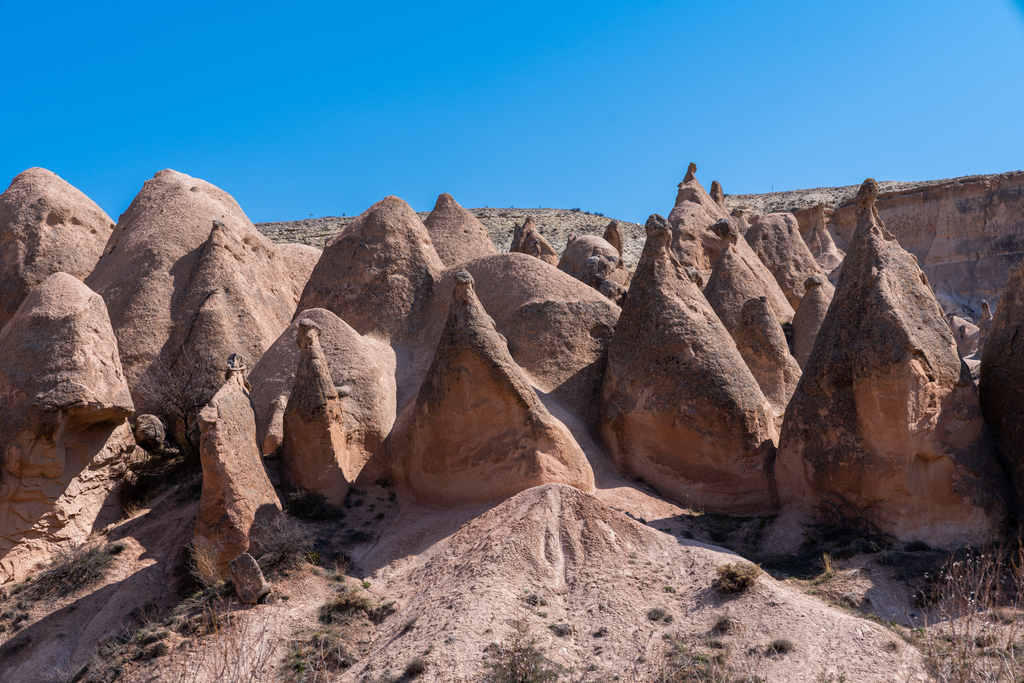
527 240
679 406
237 495
456 233
738 276
189 280
762 343
315 452
692 216
65 440
46 226
476 431
776 240
886 419
250 586
818 292
149 432
592 261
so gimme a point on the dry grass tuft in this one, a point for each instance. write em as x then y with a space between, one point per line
737 577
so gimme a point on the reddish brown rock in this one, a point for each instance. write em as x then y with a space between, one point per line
679 406
886 418
776 240
739 276
46 226
477 432
762 343
237 495
613 236
818 292
592 260
527 240
300 260
717 194
813 224
984 326
65 440
691 219
456 233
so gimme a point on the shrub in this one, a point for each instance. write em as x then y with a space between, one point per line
344 606
281 543
310 506
74 568
415 668
561 630
314 660
737 577
659 614
724 623
519 660
203 554
780 646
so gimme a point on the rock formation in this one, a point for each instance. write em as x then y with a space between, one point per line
477 432
456 233
528 240
237 495
739 276
378 273
886 418
717 194
250 585
315 453
692 216
46 226
818 292
188 280
984 326
592 260
300 260
762 343
679 406
813 224
966 334
65 440
613 236
776 240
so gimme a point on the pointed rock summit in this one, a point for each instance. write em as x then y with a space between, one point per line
613 236
717 194
818 293
477 432
819 241
679 406
886 418
762 343
776 240
739 276
692 216
46 226
456 233
527 240
65 440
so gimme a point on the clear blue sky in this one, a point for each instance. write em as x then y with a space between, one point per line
324 108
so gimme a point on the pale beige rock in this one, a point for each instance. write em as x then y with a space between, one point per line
365 365
46 226
315 453
738 276
818 292
300 260
813 224
250 585
188 280
593 260
692 216
886 417
966 334
528 240
762 343
237 494
679 406
456 233
776 240
477 432
65 440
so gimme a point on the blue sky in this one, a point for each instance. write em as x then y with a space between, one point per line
324 108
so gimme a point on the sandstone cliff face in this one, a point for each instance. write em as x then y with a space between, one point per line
885 416
46 226
679 406
237 495
188 280
477 432
456 233
65 440
776 240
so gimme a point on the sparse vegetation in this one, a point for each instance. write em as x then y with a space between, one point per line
415 668
561 630
659 614
317 659
344 606
688 662
724 623
281 544
310 506
75 567
780 646
737 577
203 555
519 660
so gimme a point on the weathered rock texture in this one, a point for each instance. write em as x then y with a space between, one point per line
776 240
188 280
813 222
65 440
739 276
691 218
456 233
593 260
477 432
818 293
315 452
717 194
886 417
528 240
680 408
613 235
250 585
237 495
966 334
762 343
46 226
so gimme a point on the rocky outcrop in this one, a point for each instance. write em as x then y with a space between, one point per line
315 452
813 222
717 194
476 431
776 240
46 226
65 440
679 406
456 233
966 334
592 261
984 326
250 585
739 276
188 280
613 236
527 240
762 343
818 293
691 219
300 260
886 418
237 495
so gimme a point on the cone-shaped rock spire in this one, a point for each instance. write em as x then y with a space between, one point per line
527 240
456 233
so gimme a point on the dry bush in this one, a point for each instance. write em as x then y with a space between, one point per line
203 562
519 659
178 389
75 567
318 659
238 648
344 606
310 506
281 543
686 662
737 577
